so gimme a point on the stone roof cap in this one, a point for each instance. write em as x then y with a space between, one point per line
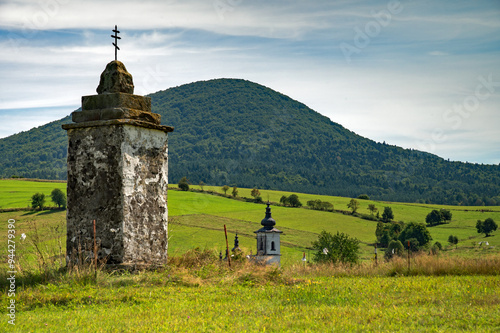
115 79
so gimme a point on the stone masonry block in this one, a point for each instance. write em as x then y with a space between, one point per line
116 100
118 176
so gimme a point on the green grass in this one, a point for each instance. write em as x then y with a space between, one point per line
322 304
17 193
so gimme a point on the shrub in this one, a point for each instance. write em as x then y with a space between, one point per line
436 248
412 244
258 200
292 201
394 248
37 201
363 197
453 240
338 248
320 205
183 184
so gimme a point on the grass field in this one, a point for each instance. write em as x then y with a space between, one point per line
459 290
328 304
17 193
197 220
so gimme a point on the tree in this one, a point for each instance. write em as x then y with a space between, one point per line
385 239
225 188
235 192
453 240
395 247
386 232
486 227
255 193
201 185
363 197
320 205
372 209
353 205
293 200
326 206
438 216
417 232
445 214
379 231
436 248
387 215
433 218
284 200
183 184
336 248
413 244
314 204
58 197
38 200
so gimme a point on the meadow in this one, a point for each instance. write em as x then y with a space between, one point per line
16 193
456 290
197 220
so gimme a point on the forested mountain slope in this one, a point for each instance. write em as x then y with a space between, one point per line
235 132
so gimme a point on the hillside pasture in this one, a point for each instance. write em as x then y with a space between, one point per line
457 290
16 193
197 220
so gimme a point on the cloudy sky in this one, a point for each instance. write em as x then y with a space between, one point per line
417 74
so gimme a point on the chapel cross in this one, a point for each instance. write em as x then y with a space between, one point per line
116 41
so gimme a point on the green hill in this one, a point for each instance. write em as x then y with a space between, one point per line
230 131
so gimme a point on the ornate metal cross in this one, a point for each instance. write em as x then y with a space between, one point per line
116 41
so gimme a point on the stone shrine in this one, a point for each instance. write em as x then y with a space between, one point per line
117 175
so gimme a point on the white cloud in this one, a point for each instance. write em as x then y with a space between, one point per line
396 88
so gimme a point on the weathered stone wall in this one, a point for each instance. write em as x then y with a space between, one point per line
117 175
145 185
94 187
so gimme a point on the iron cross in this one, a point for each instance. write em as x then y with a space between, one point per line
116 41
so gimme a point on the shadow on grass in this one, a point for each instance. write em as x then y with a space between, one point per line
52 211
44 212
29 279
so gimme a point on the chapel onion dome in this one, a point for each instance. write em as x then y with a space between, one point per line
268 222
